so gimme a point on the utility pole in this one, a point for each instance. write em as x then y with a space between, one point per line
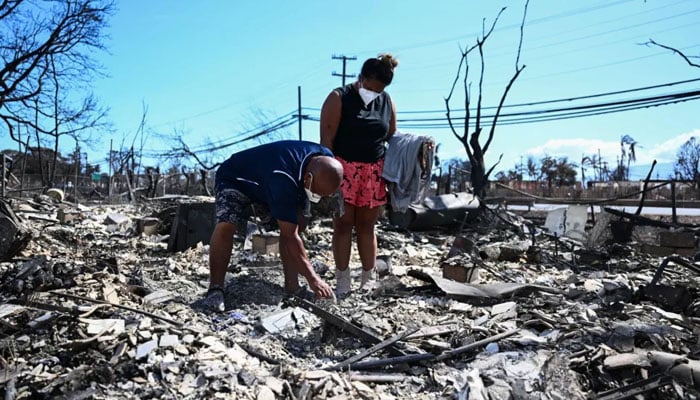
345 59
109 175
299 109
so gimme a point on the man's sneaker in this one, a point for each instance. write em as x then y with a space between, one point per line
343 284
214 301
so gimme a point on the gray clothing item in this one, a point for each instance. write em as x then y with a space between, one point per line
403 172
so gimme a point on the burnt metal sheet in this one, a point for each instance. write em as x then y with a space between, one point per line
458 290
194 223
441 210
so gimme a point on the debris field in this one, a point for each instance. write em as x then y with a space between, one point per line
96 306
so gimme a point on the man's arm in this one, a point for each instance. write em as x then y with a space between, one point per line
294 256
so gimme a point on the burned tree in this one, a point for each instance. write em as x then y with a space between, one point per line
46 48
687 165
476 150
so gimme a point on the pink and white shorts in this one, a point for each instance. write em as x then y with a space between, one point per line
363 185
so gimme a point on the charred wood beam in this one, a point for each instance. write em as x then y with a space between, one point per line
429 331
377 347
340 323
471 346
644 189
136 310
634 389
641 220
384 362
377 378
676 260
414 358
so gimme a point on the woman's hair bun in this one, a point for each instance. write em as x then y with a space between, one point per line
389 59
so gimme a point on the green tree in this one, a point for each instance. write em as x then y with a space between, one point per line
556 172
510 175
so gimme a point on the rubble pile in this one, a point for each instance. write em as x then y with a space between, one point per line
95 306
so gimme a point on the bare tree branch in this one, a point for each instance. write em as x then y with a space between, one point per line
680 53
184 149
472 142
518 70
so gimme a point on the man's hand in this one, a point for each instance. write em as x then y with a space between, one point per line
320 288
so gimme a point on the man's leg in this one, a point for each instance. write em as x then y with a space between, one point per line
220 248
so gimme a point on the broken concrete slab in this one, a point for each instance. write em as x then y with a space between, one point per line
266 243
148 226
288 318
116 219
568 221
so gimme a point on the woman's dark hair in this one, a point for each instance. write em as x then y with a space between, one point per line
380 68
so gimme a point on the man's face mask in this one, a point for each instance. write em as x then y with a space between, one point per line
367 95
313 197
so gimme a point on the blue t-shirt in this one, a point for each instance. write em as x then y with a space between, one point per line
272 174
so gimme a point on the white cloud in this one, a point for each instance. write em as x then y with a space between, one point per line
666 151
575 148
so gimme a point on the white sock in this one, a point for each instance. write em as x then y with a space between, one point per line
343 283
366 276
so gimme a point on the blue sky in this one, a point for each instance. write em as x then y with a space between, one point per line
209 70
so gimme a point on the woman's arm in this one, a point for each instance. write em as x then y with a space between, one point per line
392 122
330 118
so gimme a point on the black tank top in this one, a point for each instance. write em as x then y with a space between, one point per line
362 129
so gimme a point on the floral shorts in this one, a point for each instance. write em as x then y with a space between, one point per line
234 207
363 185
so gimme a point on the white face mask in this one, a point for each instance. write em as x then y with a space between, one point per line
367 95
313 197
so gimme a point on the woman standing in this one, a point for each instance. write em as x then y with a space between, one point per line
356 121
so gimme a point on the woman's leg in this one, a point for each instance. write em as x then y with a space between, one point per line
365 219
342 237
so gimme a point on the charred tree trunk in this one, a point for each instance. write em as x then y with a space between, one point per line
203 174
472 143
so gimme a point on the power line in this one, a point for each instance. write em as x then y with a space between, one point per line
457 121
536 103
553 114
